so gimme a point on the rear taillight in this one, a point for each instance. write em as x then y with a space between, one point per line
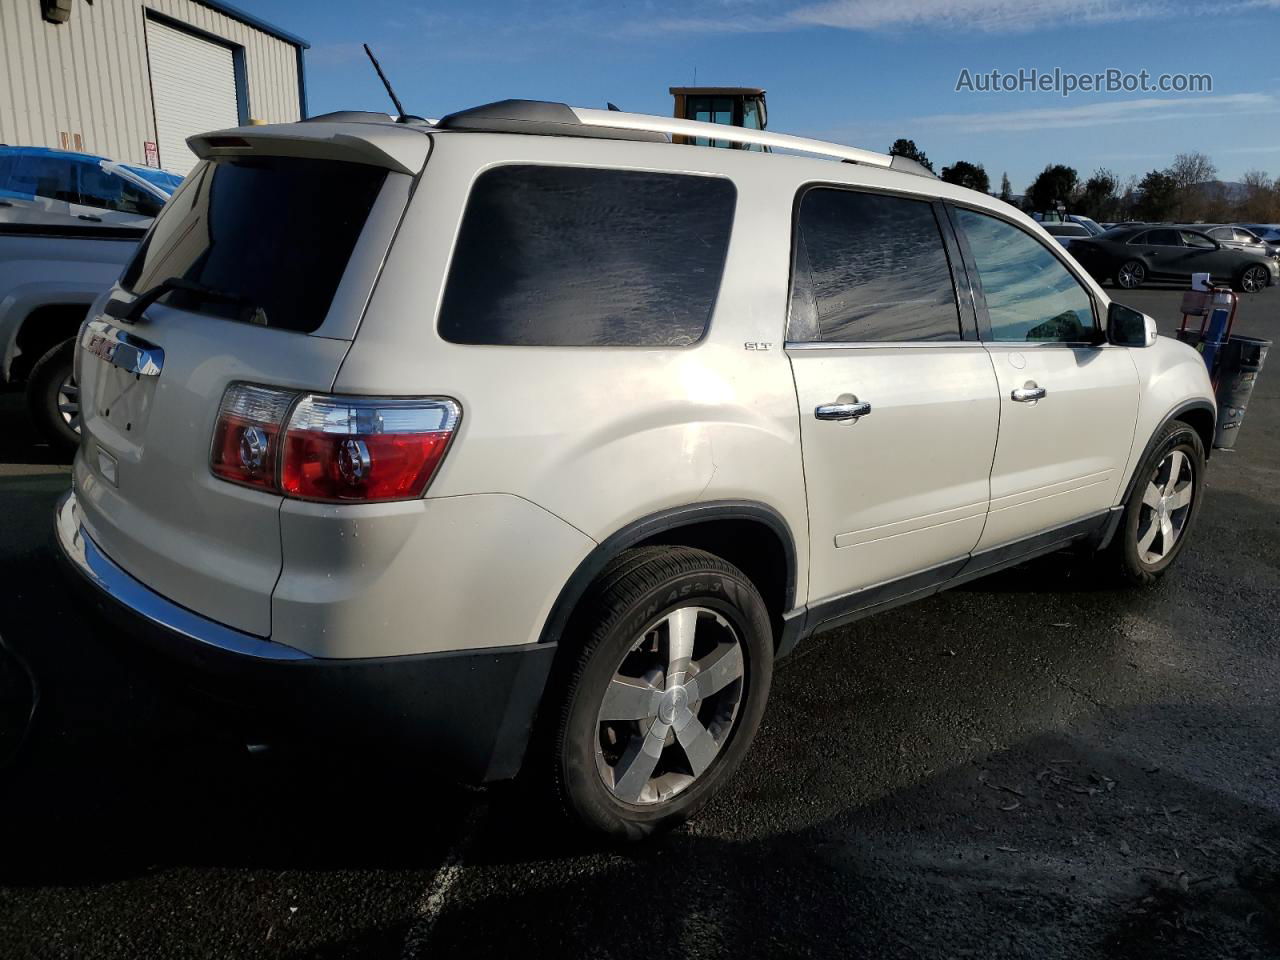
331 448
365 448
246 438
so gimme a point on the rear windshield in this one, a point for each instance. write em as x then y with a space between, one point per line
266 238
573 256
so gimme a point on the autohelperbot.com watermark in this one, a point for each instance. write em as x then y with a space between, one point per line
1066 82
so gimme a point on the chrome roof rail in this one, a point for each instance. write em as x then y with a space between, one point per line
545 118
675 127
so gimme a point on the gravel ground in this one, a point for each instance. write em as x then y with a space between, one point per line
1036 765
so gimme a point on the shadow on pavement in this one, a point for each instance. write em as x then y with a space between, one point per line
1057 846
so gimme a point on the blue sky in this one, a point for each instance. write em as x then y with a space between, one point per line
862 72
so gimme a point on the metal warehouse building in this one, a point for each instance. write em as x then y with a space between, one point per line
132 79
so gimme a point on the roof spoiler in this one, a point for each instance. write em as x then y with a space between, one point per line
398 147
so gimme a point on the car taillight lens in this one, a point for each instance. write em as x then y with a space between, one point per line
365 448
332 448
246 439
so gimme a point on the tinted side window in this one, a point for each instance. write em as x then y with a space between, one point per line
1163 238
1031 296
566 256
108 191
44 177
870 268
99 188
134 199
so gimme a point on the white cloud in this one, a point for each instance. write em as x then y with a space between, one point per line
1004 16
989 16
1273 148
1103 113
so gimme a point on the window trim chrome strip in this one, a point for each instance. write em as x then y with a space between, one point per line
882 344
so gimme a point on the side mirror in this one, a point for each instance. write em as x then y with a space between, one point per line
1127 327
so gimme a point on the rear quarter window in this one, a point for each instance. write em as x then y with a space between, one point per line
572 256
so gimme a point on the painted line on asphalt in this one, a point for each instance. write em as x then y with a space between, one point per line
437 892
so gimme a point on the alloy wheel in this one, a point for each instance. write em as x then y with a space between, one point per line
1131 275
671 706
1254 279
1166 505
69 402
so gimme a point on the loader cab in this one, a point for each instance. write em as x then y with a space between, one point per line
733 106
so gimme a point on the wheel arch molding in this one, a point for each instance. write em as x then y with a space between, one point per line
1139 259
741 526
1200 415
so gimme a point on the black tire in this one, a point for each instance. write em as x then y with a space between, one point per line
1126 555
43 387
638 589
1131 274
1252 279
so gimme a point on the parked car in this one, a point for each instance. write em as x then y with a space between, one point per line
1064 233
68 224
1047 219
49 275
1094 228
57 187
537 454
1268 232
1239 238
1135 255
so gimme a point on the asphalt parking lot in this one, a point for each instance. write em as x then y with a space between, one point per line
1036 765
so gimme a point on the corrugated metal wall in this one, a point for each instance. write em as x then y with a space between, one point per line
193 88
89 76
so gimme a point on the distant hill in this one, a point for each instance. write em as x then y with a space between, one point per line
1233 190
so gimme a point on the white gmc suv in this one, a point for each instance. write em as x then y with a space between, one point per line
531 438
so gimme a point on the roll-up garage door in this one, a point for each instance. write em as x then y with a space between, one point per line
193 85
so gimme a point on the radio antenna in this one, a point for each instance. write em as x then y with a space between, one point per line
386 83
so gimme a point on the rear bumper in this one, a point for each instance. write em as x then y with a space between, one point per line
469 711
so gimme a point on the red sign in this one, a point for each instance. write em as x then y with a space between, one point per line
153 154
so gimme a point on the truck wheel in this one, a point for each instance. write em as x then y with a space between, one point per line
1163 506
53 398
664 693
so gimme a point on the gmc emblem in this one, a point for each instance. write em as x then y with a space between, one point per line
101 347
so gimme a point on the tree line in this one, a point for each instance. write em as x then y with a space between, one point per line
1187 190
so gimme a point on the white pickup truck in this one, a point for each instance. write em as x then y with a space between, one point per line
49 275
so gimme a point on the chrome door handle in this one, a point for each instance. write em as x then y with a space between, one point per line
1028 393
842 411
